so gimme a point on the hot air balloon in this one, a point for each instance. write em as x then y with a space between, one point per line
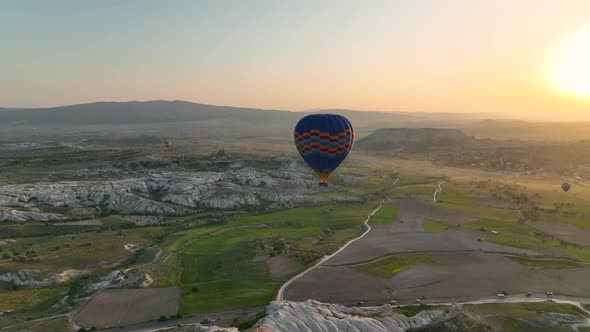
565 186
324 141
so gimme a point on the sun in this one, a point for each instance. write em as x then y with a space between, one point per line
569 65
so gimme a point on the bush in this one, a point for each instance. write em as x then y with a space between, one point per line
242 324
163 318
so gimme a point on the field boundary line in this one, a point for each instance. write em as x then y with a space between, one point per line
475 251
128 307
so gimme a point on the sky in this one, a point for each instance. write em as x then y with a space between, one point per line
413 55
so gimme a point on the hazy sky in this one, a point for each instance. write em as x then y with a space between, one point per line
414 55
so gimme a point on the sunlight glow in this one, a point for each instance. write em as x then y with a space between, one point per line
569 65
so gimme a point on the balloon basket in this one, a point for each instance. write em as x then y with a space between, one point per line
323 184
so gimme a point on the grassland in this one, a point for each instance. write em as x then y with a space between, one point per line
519 235
579 219
525 308
30 299
57 324
412 189
58 253
433 226
215 265
546 263
385 215
454 194
516 317
479 211
389 266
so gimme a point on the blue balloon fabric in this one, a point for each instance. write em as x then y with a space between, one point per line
324 141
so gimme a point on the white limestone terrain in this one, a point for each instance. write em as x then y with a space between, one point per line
316 316
158 193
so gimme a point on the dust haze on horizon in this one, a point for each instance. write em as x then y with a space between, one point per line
523 61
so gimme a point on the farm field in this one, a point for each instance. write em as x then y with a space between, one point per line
470 233
57 324
121 307
389 266
225 263
386 215
417 248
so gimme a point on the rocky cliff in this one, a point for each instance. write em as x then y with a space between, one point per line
159 193
315 316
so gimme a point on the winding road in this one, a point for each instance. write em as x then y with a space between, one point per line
281 292
437 189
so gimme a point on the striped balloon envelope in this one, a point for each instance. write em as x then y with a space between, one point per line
324 141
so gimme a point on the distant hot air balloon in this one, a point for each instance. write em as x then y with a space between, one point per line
324 141
565 186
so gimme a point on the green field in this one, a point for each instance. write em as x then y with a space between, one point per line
433 226
454 195
58 253
57 324
385 215
408 178
517 317
30 299
167 271
524 309
217 271
518 235
412 189
478 211
546 263
581 221
176 241
389 266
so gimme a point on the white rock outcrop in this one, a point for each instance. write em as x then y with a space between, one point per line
316 316
158 193
26 278
9 214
